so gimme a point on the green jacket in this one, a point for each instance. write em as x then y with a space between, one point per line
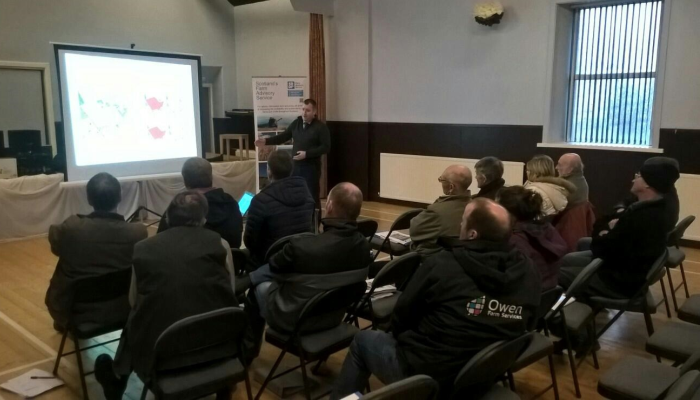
440 219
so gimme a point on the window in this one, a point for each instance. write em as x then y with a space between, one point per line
613 74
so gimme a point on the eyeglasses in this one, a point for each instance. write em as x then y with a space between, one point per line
441 179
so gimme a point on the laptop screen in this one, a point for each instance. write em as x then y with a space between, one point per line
244 202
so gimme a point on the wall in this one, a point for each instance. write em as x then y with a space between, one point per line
271 39
21 102
203 27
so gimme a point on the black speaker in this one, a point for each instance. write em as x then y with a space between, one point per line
244 2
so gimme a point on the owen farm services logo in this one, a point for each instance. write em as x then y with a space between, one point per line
290 84
475 306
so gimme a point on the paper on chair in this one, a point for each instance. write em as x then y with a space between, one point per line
25 386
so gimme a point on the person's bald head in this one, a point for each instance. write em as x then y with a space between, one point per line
344 201
487 220
196 172
456 180
568 164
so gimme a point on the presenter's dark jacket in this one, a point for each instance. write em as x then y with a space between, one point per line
461 300
315 140
178 273
309 265
224 217
88 246
284 207
631 247
491 189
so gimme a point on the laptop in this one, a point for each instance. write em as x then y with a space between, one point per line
244 203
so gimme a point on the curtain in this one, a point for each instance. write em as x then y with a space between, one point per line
317 81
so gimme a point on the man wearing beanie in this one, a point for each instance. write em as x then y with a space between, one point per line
632 240
662 174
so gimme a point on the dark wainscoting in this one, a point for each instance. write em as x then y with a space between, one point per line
356 147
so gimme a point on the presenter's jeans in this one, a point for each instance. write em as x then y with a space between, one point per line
311 172
372 352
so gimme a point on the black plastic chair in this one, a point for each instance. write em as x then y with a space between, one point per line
640 378
488 366
642 302
685 387
280 243
316 346
367 227
396 272
676 256
200 355
403 221
111 288
541 345
418 387
580 315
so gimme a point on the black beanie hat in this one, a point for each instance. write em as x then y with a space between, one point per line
661 173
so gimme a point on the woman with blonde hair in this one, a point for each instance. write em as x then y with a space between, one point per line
542 179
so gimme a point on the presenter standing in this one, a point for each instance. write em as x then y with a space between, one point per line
311 140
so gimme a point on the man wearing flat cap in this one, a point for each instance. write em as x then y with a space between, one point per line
634 238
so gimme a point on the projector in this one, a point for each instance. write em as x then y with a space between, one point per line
243 2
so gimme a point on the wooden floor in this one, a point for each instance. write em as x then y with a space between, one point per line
27 339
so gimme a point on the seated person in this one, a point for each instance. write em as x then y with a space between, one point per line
224 216
90 245
533 236
282 208
441 219
476 292
541 179
570 167
489 177
309 265
631 241
177 274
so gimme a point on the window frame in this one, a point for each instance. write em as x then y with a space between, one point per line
561 54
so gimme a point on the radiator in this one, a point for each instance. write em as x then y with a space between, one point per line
688 187
415 178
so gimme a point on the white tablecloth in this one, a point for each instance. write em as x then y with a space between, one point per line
30 204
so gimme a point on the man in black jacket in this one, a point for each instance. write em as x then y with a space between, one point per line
632 240
224 216
476 292
91 245
309 265
284 207
311 140
489 177
177 274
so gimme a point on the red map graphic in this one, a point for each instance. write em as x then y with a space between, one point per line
156 132
154 103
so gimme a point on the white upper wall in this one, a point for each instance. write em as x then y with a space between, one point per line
271 40
204 27
681 101
432 63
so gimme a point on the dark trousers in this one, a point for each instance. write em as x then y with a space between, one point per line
311 172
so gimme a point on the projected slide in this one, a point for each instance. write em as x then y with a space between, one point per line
127 110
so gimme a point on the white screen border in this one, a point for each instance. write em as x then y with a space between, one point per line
127 169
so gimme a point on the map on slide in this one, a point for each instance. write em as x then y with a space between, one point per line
126 110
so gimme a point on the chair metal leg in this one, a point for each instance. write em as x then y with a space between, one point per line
685 282
80 369
592 339
570 352
649 323
60 353
305 378
552 371
271 374
673 292
511 380
144 392
665 300
248 389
